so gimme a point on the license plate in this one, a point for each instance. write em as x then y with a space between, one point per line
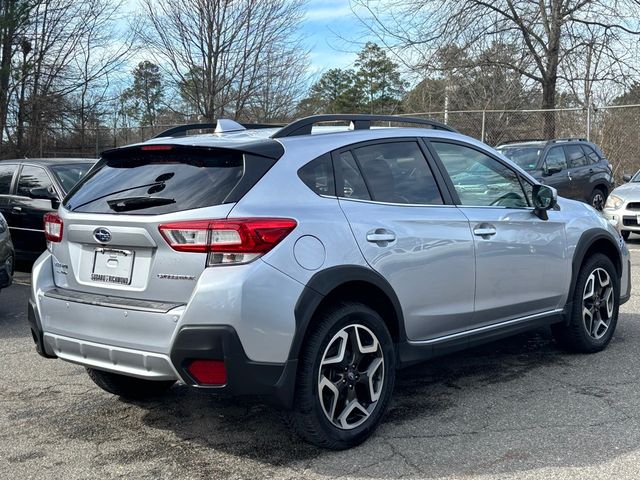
112 266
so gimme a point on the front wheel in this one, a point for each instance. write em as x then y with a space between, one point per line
345 378
594 314
128 387
597 199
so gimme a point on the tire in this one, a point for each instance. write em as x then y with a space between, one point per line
597 198
128 387
625 234
584 333
335 333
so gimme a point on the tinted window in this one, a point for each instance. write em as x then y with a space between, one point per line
398 173
556 158
155 182
479 179
69 175
352 184
32 177
575 156
591 154
318 175
524 157
6 175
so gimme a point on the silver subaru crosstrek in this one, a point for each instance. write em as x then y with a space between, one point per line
306 264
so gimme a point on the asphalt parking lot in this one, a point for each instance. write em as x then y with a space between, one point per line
520 408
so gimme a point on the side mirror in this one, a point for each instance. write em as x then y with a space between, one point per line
626 177
43 193
544 198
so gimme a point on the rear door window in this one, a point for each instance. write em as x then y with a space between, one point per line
157 182
575 156
352 184
397 172
6 177
32 177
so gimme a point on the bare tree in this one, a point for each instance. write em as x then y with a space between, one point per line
555 37
216 51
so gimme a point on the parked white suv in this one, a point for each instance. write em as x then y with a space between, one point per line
307 264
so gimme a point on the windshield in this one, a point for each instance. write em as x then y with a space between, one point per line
69 175
524 157
636 177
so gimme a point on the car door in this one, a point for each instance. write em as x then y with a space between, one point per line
28 212
558 175
410 233
7 172
578 172
521 261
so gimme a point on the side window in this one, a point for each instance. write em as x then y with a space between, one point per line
591 154
352 183
318 175
32 177
6 175
556 158
575 156
479 179
398 172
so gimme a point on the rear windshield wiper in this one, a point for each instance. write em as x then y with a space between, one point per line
138 203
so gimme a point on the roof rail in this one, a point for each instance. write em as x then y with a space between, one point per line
523 140
222 125
358 122
568 139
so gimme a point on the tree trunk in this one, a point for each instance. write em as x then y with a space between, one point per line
549 102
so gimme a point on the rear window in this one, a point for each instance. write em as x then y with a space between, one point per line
157 182
69 175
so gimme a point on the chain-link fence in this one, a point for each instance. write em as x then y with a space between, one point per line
616 129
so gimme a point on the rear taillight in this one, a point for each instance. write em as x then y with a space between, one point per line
52 227
229 241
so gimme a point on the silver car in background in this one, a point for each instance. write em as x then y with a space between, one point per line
623 206
306 264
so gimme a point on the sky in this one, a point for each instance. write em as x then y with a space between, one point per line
332 33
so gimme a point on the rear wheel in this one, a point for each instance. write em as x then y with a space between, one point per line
128 387
345 379
597 199
594 315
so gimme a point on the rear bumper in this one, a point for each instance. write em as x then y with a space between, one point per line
245 319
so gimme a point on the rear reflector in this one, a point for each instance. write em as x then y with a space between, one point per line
52 227
208 372
229 241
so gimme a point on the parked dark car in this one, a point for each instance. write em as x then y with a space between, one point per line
575 167
7 255
31 188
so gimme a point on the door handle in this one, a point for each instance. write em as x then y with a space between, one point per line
16 209
484 230
380 235
569 175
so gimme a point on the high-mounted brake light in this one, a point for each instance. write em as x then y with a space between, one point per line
155 148
228 241
53 227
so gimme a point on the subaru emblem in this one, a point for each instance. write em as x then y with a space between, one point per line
102 235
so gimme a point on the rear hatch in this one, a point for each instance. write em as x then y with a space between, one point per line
111 240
